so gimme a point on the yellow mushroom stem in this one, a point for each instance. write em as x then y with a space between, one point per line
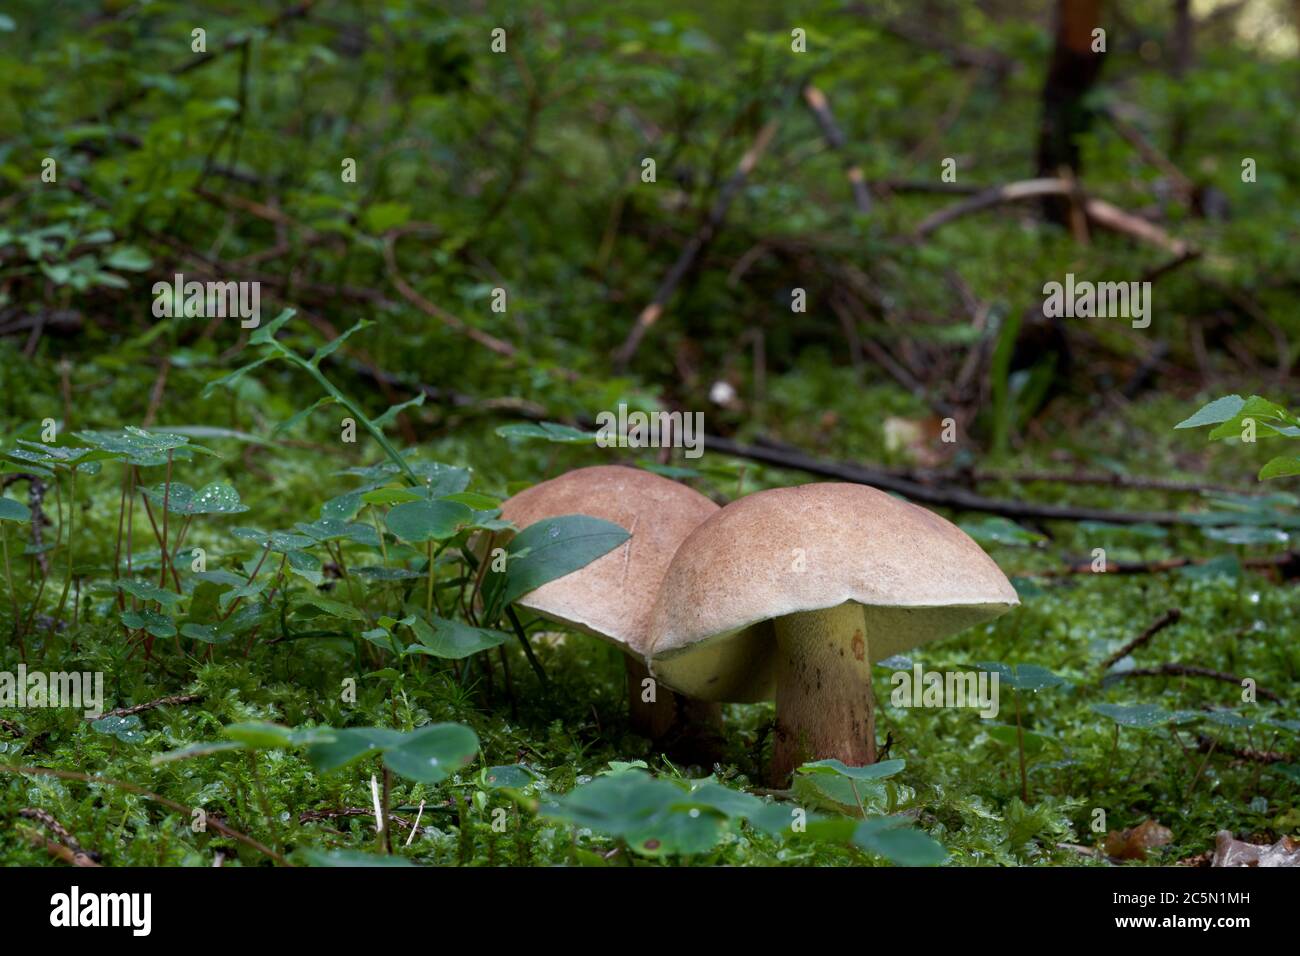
824 704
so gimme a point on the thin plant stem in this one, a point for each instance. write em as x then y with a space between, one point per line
72 519
1020 744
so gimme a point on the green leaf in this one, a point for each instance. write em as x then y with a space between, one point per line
263 735
330 347
1028 677
151 621
997 530
453 640
383 216
546 431
392 496
231 378
875 771
215 498
202 749
350 745
266 333
149 592
306 566
902 845
1137 716
419 521
654 816
11 510
1247 535
555 547
289 424
205 633
1284 466
433 753
390 416
129 259
129 729
334 608
1220 410
514 776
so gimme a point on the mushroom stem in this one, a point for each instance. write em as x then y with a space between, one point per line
671 720
824 704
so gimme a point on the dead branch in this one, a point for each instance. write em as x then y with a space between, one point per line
1193 670
1098 212
835 139
957 498
54 848
1170 616
456 324
1287 560
174 701
1247 754
696 244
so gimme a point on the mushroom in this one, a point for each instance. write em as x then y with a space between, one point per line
613 596
797 591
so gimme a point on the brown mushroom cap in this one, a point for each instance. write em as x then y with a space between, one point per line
919 576
612 597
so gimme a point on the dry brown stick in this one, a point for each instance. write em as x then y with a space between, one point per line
500 346
1249 754
156 393
46 819
1194 670
1283 560
55 849
1098 211
1150 154
149 795
696 244
957 498
172 701
835 139
1170 616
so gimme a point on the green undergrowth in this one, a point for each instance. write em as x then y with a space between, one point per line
549 772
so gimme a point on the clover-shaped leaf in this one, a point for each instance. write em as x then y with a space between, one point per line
216 498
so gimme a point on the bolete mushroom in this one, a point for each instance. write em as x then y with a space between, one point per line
613 596
797 591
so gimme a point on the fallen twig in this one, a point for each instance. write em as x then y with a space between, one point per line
958 498
1285 560
55 849
1193 670
1170 616
173 701
453 322
149 795
1098 211
75 853
835 139
1247 754
697 243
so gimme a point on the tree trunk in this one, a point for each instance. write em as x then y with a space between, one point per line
1070 76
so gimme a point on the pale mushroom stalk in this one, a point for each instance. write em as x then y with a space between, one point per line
793 593
824 702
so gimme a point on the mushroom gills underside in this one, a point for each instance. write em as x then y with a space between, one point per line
739 666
